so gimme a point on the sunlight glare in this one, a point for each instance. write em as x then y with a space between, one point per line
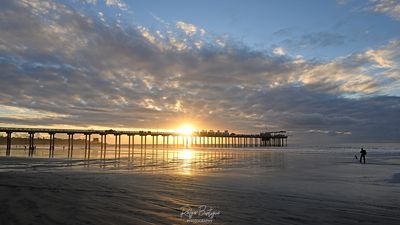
186 154
186 129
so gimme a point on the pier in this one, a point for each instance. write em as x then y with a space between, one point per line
198 139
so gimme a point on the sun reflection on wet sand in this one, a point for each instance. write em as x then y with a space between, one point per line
183 161
186 155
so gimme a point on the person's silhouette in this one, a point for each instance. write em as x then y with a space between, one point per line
362 156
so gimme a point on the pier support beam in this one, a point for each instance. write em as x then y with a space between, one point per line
167 141
117 143
88 138
70 144
31 143
141 144
129 146
105 146
87 146
119 146
101 145
51 147
133 146
8 151
145 142
186 141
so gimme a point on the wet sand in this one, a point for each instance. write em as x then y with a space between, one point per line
279 186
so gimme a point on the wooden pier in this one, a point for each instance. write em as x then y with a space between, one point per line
199 139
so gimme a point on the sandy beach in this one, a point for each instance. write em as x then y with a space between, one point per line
279 186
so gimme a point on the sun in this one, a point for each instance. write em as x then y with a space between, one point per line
186 129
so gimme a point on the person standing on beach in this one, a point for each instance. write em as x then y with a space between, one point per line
362 156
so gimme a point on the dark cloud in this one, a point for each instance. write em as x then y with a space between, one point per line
79 71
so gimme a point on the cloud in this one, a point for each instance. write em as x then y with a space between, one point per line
171 39
279 51
12 112
188 28
301 108
111 3
384 57
93 2
82 72
118 3
368 72
389 7
342 2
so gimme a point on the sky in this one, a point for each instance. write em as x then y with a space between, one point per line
325 71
